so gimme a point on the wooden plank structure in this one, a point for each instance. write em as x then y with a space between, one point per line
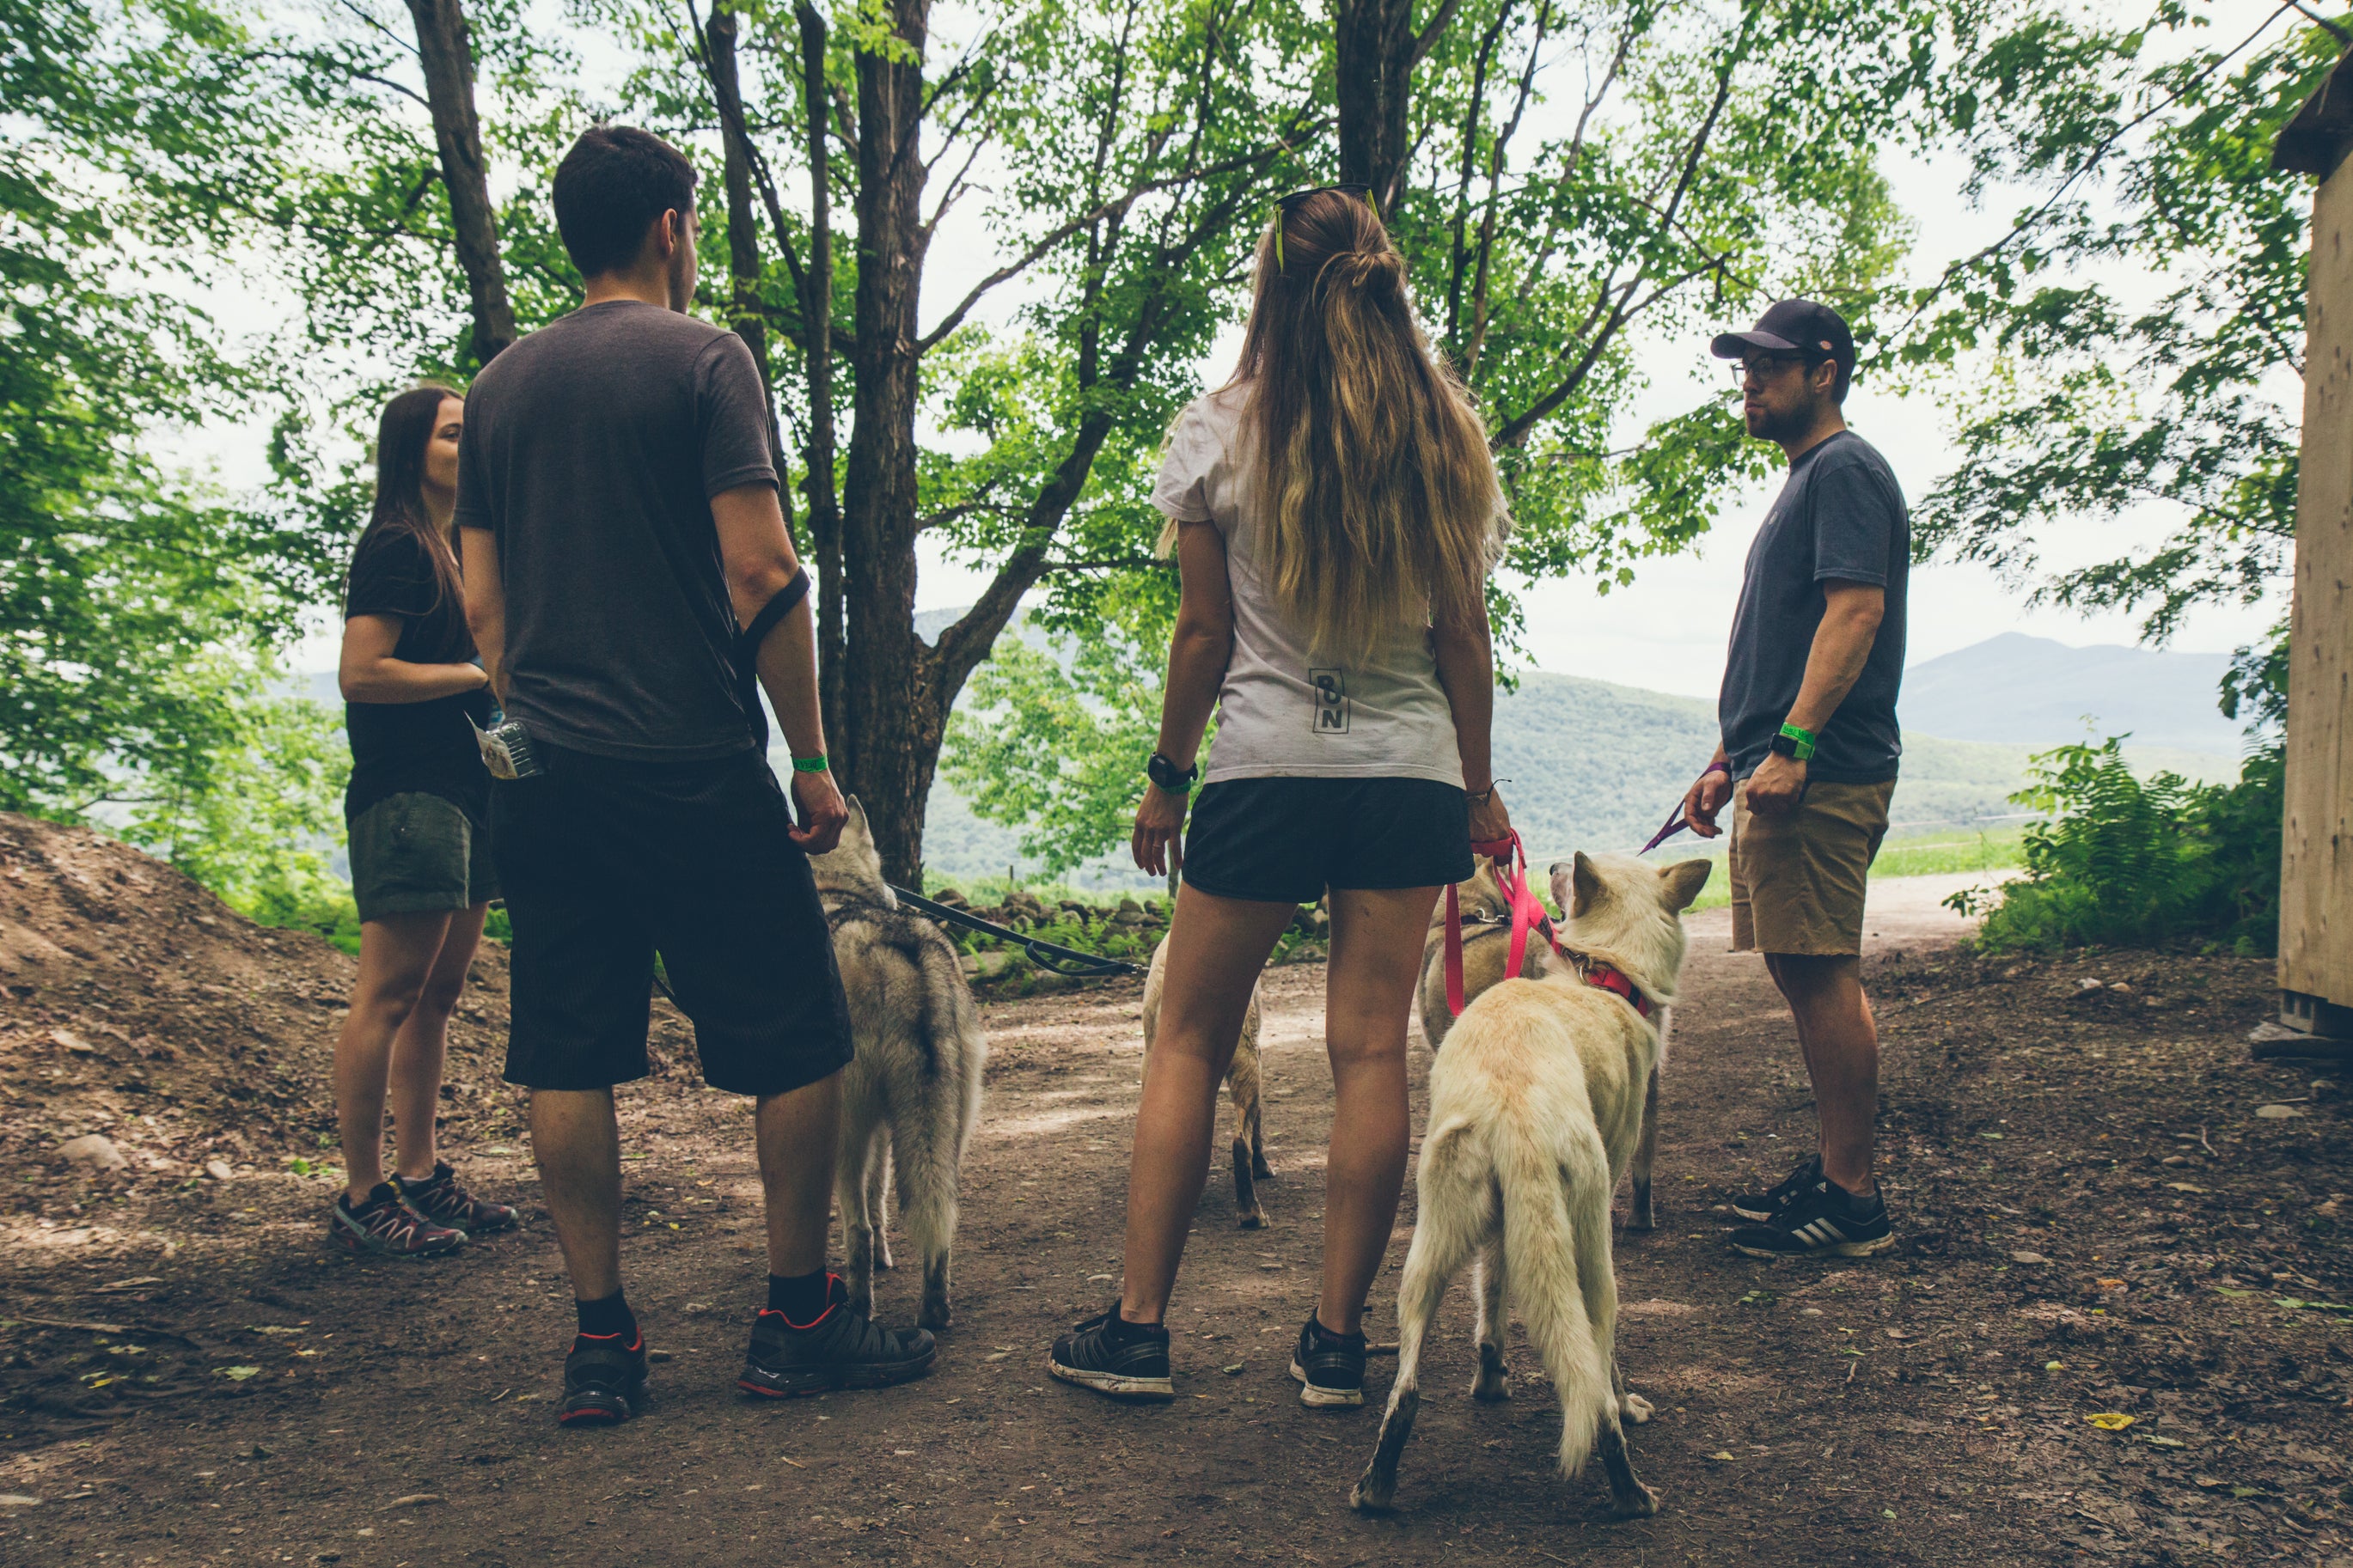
2316 938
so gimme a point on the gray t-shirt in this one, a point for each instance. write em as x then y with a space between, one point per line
1283 711
1840 517
591 450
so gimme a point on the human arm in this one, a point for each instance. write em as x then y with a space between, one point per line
367 671
756 554
486 604
1197 652
1466 670
1842 643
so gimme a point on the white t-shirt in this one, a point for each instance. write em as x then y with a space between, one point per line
1283 712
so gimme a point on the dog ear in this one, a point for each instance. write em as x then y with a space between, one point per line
1585 888
856 831
1682 881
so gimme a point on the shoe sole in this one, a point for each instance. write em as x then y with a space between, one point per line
603 1408
1837 1249
1754 1216
1141 1390
360 1247
833 1379
1323 1398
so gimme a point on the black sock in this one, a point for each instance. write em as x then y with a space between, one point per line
608 1318
799 1297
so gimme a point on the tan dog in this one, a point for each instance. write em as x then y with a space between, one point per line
1241 1082
1535 1110
911 1098
1486 953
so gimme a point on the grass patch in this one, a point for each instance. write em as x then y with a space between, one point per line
1941 854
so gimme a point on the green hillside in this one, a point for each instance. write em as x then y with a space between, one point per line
1596 766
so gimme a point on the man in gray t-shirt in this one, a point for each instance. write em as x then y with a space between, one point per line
628 575
1809 756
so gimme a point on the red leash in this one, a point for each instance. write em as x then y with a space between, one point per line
1527 914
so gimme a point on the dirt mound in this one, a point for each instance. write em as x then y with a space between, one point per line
142 1008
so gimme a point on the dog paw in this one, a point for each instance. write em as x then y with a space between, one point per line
1251 1219
1640 1504
1634 1410
1260 1168
1371 1495
1491 1387
934 1317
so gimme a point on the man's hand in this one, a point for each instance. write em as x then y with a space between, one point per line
1159 818
1706 799
823 815
1776 786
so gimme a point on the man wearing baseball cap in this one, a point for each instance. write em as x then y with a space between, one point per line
1809 754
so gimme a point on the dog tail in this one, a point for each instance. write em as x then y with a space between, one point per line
1551 1243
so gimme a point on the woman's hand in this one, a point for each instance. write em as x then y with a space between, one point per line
1159 821
1490 823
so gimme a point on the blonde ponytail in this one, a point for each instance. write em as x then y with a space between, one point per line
1376 480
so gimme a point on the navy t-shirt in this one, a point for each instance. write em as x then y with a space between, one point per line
1840 518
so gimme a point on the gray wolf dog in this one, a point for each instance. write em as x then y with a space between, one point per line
912 1098
1486 953
1536 1108
1242 1083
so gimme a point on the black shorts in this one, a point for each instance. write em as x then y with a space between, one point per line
605 863
1285 840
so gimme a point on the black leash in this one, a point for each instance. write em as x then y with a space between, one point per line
1050 956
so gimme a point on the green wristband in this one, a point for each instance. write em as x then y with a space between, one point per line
816 765
1804 739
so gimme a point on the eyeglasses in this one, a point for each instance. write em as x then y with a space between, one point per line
1283 206
1763 367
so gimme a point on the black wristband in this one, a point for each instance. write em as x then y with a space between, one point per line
1169 777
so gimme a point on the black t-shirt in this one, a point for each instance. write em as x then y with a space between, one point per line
591 450
428 747
1840 518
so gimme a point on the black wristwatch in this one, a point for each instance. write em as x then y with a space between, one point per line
1169 777
1784 745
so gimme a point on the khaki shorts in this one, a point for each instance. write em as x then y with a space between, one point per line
1797 880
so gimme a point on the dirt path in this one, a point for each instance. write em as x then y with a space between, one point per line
1928 1407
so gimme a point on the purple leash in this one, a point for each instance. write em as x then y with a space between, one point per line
1678 822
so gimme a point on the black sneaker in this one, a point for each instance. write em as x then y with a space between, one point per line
843 1349
1114 1356
441 1200
1762 1207
1330 1367
388 1227
604 1380
1825 1220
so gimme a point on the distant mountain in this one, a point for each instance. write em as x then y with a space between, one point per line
2037 693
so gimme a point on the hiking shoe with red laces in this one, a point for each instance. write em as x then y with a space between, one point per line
842 1349
604 1380
443 1202
386 1226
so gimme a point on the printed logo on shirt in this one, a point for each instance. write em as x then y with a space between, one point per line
1331 701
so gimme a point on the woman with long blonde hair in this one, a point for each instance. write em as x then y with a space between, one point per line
1333 513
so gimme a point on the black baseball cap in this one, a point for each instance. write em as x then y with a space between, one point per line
1793 326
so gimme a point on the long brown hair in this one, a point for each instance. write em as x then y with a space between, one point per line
1375 478
402 433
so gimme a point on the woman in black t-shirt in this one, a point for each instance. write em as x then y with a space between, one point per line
417 809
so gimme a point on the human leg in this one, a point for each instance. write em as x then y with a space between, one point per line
422 1045
799 1135
396 956
1217 947
1834 1016
1377 940
578 1145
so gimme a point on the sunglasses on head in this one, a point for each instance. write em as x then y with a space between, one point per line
1283 206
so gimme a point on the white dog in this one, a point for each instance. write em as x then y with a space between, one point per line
1536 1105
911 1098
1241 1082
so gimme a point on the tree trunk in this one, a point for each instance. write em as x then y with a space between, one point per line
743 219
448 63
818 457
1374 50
894 720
